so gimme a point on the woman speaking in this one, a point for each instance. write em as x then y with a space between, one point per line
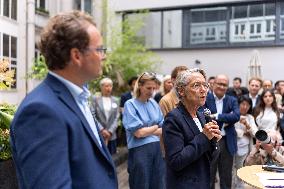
189 141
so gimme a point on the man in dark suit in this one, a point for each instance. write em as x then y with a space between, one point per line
54 138
237 90
188 140
255 85
225 111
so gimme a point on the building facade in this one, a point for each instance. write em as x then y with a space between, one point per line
21 23
219 36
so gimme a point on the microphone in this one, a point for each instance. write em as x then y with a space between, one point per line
207 114
208 119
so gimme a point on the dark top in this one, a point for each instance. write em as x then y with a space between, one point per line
188 151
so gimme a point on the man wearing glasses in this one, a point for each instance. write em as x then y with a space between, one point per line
54 137
225 111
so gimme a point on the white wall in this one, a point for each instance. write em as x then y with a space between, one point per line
232 62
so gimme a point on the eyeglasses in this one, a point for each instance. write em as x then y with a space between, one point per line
197 86
222 85
151 75
100 50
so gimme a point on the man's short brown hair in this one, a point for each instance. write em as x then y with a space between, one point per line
256 79
176 70
62 33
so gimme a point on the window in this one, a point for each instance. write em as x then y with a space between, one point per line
40 4
9 8
9 46
253 23
150 33
84 5
208 25
172 29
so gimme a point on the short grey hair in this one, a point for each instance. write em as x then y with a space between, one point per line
105 81
182 79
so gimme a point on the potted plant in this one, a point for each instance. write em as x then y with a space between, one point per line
8 179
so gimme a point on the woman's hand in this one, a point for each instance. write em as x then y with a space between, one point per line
211 130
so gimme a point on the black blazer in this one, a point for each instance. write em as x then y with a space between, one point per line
188 151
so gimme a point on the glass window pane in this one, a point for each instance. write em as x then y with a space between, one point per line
150 33
256 26
77 4
6 8
240 11
14 10
256 10
197 16
42 4
14 85
282 8
6 45
172 27
211 28
13 47
270 9
88 6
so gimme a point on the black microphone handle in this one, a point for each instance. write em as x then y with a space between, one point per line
209 119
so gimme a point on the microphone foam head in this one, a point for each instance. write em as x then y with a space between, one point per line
207 112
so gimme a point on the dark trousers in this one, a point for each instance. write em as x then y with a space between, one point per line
146 167
224 162
111 146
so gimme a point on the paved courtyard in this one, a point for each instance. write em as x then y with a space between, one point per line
123 177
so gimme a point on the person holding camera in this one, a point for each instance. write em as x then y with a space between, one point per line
268 152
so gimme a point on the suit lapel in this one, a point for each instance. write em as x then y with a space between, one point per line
211 103
65 96
225 104
187 117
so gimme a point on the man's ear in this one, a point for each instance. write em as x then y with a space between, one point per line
76 56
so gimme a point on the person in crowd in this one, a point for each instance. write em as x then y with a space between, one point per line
129 94
255 84
170 100
225 111
166 87
279 93
266 113
271 153
237 90
267 84
54 137
189 143
211 82
278 85
143 119
158 87
121 140
107 113
246 129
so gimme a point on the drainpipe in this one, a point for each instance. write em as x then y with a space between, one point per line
30 41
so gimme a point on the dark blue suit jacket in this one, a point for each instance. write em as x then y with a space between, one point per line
230 115
53 145
188 151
